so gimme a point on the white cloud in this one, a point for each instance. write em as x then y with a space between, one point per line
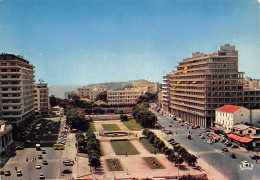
40 54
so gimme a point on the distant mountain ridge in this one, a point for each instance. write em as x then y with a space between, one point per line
60 90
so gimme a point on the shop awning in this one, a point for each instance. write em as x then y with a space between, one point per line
188 82
178 82
240 139
194 82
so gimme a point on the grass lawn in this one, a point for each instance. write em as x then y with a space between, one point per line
149 146
159 166
92 127
121 147
110 127
110 166
132 125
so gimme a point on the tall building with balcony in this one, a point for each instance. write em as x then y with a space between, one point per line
166 92
16 87
205 82
41 99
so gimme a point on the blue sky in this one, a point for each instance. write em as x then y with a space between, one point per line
82 42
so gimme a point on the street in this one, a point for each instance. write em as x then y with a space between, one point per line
212 154
54 158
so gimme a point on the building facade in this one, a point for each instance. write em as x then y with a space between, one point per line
166 93
127 96
6 138
205 82
228 116
17 93
147 86
96 91
41 99
83 92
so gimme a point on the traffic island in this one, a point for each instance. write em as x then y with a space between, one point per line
114 165
153 163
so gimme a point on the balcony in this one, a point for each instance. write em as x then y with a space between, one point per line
186 105
18 97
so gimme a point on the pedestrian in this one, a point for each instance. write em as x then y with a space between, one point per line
75 159
27 159
16 168
125 153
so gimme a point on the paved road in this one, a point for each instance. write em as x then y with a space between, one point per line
213 154
51 171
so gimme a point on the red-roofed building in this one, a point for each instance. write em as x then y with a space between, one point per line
227 116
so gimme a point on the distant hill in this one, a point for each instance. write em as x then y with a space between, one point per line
59 90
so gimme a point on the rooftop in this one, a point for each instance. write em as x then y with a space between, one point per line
229 108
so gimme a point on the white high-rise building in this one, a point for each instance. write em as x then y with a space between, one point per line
16 88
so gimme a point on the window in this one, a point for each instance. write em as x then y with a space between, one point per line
249 131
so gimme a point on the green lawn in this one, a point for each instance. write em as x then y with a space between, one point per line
132 125
121 147
110 127
110 166
146 159
92 126
149 146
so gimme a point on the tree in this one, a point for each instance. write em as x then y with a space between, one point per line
102 96
123 117
76 118
54 101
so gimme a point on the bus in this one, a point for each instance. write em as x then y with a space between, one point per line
59 146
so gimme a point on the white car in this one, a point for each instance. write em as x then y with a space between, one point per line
246 165
38 166
209 141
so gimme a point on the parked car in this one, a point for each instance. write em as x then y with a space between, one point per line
66 171
200 134
19 147
209 141
44 162
254 157
234 146
170 132
43 151
181 124
41 176
170 125
170 140
225 149
202 137
40 156
194 127
38 166
19 172
7 173
233 156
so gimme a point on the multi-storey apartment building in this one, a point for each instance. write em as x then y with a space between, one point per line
147 86
205 82
127 96
166 92
96 91
17 93
83 92
41 99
